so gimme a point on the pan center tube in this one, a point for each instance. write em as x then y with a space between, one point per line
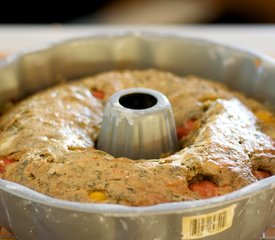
138 123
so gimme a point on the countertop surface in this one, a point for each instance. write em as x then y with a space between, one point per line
257 37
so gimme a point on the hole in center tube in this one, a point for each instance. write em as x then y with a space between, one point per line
138 101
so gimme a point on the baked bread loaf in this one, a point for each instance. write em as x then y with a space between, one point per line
48 142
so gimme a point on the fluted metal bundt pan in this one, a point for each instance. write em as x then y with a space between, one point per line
241 215
138 123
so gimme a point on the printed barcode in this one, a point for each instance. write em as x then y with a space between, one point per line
208 224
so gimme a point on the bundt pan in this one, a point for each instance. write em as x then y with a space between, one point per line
242 215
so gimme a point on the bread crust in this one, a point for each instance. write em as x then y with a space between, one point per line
49 139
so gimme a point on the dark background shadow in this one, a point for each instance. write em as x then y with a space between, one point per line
138 11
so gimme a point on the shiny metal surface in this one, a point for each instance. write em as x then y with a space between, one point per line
138 123
31 215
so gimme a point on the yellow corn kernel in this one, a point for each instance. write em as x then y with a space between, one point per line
196 125
97 196
265 116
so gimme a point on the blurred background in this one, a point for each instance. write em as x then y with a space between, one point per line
139 12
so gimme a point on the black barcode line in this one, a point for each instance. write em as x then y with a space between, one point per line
222 220
193 226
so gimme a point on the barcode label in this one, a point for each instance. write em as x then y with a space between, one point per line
208 224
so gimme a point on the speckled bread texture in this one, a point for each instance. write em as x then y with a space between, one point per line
47 141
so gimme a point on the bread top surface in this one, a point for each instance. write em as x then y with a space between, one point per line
47 141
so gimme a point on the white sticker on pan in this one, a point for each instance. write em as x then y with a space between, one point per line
199 226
